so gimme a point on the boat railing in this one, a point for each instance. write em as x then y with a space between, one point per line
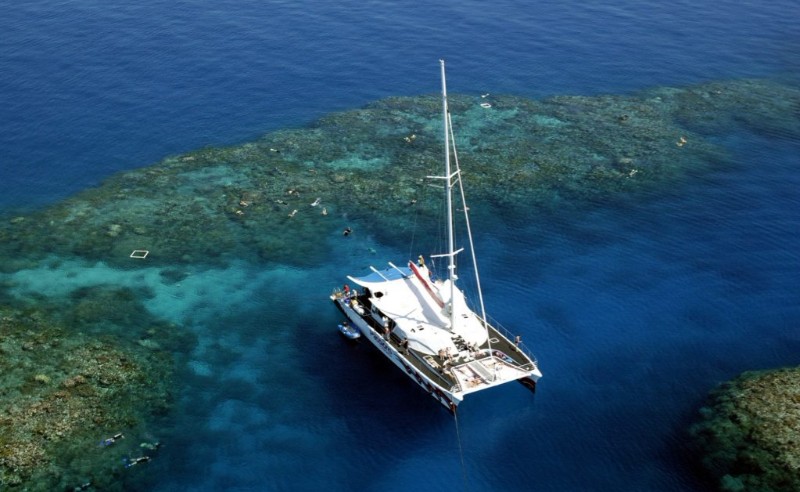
494 324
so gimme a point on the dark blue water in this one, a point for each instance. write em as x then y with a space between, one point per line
92 88
635 310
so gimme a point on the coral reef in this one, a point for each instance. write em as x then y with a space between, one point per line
63 392
258 200
749 435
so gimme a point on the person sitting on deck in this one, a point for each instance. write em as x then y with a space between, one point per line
356 306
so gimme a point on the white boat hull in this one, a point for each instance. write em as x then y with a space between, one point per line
444 396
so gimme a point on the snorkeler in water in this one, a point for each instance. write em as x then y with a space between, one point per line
111 440
136 461
151 446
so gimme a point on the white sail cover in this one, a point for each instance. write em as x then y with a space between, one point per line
419 307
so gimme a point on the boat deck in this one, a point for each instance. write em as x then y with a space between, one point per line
412 357
430 365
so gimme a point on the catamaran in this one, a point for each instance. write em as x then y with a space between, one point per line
426 327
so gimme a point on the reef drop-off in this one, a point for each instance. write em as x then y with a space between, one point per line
749 435
253 202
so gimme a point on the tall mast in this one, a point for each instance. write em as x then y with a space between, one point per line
449 139
451 266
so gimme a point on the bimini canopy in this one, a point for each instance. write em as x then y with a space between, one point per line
402 296
420 308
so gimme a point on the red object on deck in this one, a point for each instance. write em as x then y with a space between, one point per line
426 284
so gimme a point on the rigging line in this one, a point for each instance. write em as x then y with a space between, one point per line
469 236
461 453
422 200
419 200
413 229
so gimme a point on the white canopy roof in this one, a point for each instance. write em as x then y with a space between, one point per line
415 305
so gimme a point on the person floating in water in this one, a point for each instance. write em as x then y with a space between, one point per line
83 486
136 461
111 440
347 231
152 446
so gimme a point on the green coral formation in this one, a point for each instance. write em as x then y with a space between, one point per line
750 433
63 392
253 201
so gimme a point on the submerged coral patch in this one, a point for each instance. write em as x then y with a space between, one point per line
63 393
250 202
749 435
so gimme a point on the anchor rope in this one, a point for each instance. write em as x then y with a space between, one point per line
461 454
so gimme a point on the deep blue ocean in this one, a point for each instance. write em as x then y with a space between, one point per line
635 310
